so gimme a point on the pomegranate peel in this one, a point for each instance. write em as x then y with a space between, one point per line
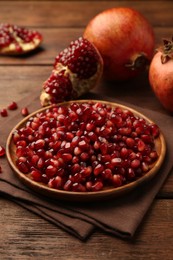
16 40
77 69
160 74
124 38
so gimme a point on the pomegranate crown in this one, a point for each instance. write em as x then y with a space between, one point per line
167 50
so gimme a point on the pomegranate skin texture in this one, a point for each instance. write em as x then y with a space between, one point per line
125 39
161 79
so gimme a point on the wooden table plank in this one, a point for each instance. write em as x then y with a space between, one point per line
69 14
25 236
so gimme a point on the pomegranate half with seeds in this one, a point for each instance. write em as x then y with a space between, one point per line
77 69
18 40
85 146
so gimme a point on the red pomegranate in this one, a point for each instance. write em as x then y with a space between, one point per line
124 38
161 75
77 69
18 40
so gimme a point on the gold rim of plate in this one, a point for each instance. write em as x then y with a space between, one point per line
90 195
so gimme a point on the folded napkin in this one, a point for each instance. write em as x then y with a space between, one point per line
120 216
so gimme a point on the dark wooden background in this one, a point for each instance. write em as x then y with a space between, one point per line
24 235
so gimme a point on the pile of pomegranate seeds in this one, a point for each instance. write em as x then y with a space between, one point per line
15 39
80 57
85 146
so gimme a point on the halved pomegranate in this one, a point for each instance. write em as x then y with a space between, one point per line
18 40
85 146
77 69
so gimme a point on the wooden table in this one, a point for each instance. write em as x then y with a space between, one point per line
24 235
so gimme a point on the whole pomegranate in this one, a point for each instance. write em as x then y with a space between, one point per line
77 69
161 74
124 38
18 40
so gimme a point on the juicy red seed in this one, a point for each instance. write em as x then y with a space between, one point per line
67 157
135 163
117 180
25 112
145 167
39 144
12 106
51 171
55 183
97 186
67 185
2 151
130 142
36 175
23 167
107 174
4 112
155 130
141 146
130 174
40 163
98 169
84 156
153 155
116 162
78 187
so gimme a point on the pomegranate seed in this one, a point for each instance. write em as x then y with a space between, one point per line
36 175
4 112
135 163
2 151
51 171
97 186
23 167
67 157
98 169
39 144
85 156
25 112
116 162
12 106
141 146
117 180
130 142
67 185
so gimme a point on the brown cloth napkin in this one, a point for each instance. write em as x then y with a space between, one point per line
120 217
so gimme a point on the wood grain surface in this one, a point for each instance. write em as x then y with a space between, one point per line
24 235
